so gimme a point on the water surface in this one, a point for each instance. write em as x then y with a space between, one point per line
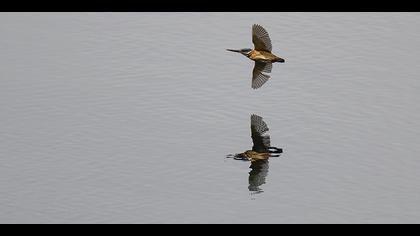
129 117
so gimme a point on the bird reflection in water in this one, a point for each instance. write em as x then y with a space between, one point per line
259 155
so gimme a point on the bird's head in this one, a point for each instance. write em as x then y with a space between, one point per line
243 51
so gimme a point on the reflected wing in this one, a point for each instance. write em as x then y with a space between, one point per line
258 130
257 175
260 38
258 78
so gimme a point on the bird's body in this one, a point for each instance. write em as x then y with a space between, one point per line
256 156
261 54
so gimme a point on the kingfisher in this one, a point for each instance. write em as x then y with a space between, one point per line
261 54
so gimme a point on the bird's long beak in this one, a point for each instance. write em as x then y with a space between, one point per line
233 50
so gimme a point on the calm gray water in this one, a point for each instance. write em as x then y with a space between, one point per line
129 117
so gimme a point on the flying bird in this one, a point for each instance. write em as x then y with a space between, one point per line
261 54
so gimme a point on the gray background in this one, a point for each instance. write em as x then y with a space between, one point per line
128 118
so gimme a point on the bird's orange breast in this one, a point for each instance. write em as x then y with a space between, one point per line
262 56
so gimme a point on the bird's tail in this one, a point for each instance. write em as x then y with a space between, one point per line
275 150
281 60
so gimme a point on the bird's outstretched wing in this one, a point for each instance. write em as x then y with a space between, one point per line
260 38
260 140
258 78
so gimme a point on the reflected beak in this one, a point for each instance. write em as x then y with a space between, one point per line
240 156
233 50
